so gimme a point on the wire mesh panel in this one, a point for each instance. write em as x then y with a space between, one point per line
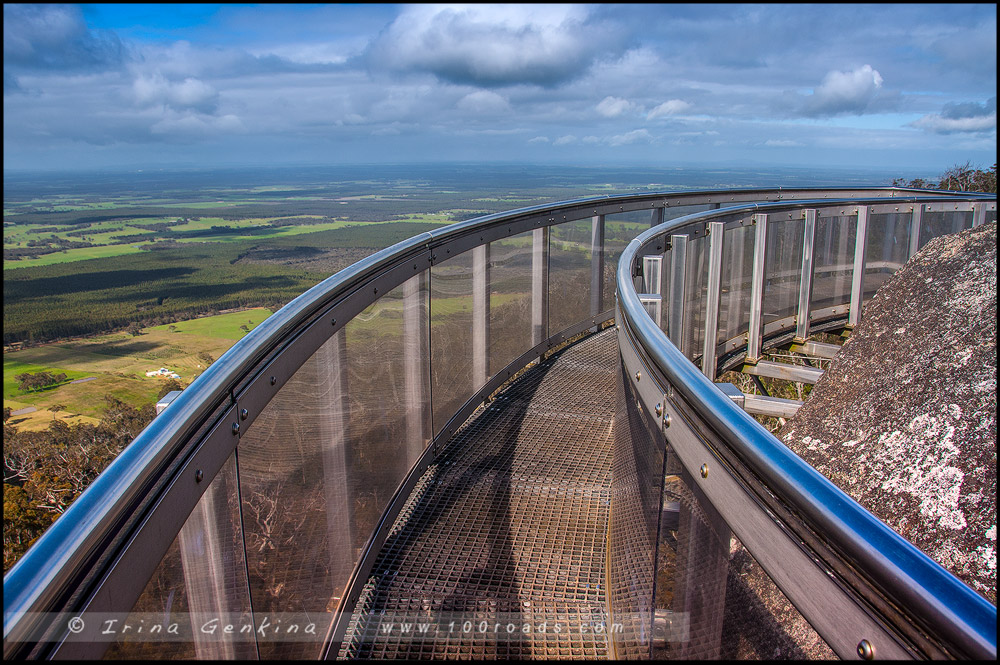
782 268
198 589
833 260
636 472
737 272
451 312
319 465
510 299
569 273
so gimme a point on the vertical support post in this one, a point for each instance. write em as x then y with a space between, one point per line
332 357
203 541
918 210
678 279
858 275
651 278
754 337
597 265
480 316
416 363
806 281
978 214
656 218
539 285
716 237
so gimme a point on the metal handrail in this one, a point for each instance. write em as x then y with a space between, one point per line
909 577
67 553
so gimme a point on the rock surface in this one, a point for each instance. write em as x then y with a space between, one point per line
904 421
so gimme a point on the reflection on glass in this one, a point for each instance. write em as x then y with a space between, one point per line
569 274
510 299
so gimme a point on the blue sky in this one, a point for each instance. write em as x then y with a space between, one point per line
904 86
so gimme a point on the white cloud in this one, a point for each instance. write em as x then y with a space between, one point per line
844 92
635 136
493 45
193 126
670 107
610 107
484 102
965 118
565 140
539 139
190 93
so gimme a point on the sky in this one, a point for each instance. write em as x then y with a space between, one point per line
903 86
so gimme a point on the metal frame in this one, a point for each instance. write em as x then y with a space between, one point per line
100 554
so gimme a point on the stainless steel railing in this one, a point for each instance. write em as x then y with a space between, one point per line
319 421
861 586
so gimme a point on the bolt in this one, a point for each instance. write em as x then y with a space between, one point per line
236 429
199 475
659 409
243 414
273 380
866 650
666 421
638 375
704 471
333 322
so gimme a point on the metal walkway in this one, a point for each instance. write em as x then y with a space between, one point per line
500 549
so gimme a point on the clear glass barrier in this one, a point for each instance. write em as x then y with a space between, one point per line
696 296
736 283
888 247
934 224
569 273
782 268
451 310
833 260
199 587
510 299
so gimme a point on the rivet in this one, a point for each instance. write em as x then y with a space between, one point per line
236 428
376 289
333 322
666 421
243 414
704 471
866 650
273 380
638 375
199 475
659 409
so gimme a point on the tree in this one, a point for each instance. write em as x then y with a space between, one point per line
134 329
56 408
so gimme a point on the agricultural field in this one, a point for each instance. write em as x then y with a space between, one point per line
116 364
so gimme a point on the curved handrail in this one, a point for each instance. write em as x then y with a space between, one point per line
51 570
911 579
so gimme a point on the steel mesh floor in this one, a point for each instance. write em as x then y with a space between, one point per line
500 550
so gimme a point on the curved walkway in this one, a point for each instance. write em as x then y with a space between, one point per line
500 549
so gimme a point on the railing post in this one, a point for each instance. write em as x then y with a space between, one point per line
858 275
918 209
336 412
480 316
716 237
597 265
978 214
757 290
678 279
539 285
416 362
806 281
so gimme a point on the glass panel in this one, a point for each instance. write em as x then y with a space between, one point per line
934 224
888 245
510 299
200 583
834 261
696 293
619 230
451 337
782 268
319 465
737 276
569 274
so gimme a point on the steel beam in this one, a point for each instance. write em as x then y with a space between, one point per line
416 360
858 274
776 407
716 237
754 336
806 281
597 265
539 285
783 371
480 316
678 280
818 349
915 219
